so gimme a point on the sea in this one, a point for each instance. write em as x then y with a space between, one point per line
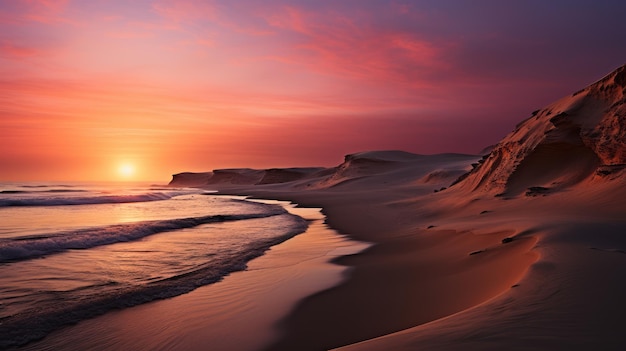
73 251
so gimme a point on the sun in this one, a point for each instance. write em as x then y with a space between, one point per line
126 170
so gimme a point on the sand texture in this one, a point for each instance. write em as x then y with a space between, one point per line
527 250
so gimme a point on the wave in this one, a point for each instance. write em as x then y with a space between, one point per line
84 200
41 191
29 247
20 329
47 186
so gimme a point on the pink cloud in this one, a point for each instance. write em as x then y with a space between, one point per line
185 10
54 5
45 11
180 14
11 50
332 43
401 8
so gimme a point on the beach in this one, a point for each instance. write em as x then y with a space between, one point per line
519 248
217 314
412 275
381 175
448 271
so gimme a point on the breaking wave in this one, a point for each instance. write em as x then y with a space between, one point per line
79 200
28 247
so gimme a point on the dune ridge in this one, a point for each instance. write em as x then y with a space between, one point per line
562 144
524 250
358 166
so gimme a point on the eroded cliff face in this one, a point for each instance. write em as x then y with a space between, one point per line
576 138
608 136
190 179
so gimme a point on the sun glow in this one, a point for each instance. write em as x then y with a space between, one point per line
126 170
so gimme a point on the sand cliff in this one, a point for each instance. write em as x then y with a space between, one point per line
562 144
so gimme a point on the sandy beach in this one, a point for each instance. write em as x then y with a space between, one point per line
413 274
524 252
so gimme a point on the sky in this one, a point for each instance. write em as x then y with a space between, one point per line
142 89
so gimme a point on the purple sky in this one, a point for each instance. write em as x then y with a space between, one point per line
171 86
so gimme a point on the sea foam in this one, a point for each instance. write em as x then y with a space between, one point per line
28 247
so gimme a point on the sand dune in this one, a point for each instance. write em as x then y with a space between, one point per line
234 176
560 145
285 175
572 154
524 251
245 176
398 167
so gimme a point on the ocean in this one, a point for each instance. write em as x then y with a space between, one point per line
73 251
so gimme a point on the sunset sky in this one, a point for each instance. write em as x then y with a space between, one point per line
112 90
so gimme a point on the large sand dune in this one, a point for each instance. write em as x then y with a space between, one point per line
562 144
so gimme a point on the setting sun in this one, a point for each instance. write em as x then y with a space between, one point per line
126 170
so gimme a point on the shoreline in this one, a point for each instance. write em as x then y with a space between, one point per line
410 276
248 302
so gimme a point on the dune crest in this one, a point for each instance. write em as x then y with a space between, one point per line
561 145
